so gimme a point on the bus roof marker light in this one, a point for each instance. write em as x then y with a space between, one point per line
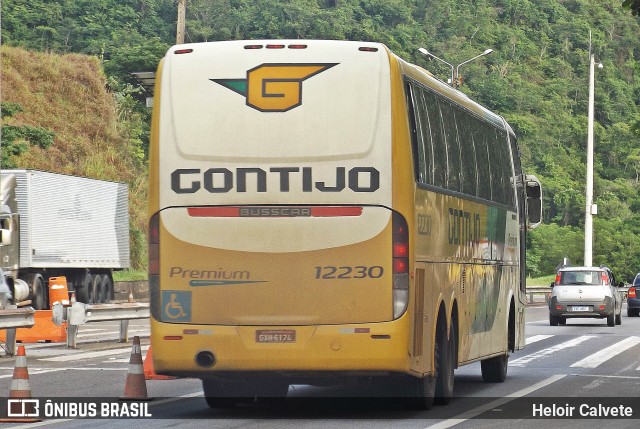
297 46
367 49
183 51
253 46
275 46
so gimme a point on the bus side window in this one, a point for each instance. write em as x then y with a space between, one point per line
452 145
482 158
438 142
468 174
423 138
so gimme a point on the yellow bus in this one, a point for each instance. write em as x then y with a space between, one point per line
324 212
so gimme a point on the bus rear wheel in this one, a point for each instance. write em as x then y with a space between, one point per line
445 358
224 394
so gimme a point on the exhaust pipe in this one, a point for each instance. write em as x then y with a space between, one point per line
205 359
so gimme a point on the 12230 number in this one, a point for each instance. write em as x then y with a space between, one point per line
357 272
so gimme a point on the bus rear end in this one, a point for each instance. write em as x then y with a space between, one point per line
274 250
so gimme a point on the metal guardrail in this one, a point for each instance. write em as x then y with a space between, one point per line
532 291
13 317
78 314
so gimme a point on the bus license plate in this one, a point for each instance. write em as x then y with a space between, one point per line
276 336
580 308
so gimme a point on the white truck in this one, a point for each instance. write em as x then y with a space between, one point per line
54 225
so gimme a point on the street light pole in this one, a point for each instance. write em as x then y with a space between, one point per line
430 55
454 81
457 75
588 219
182 5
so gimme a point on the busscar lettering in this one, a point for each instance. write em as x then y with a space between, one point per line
282 179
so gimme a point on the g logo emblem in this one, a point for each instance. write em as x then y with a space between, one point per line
274 87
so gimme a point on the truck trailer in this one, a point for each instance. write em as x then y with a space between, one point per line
54 225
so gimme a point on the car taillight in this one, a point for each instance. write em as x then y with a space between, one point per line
632 292
400 249
154 265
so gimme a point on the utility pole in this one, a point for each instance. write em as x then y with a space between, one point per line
590 209
182 6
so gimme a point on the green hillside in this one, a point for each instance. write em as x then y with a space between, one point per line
537 78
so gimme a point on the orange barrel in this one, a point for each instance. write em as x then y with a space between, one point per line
58 291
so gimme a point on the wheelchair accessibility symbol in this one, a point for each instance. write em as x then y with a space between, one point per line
176 306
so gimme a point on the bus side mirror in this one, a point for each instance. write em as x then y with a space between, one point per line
534 201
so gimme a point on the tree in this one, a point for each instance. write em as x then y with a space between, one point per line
16 139
633 5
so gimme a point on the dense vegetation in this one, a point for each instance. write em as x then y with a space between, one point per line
536 77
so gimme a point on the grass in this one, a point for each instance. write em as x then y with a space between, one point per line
541 281
129 275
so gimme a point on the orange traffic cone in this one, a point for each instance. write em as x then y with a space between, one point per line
20 387
135 388
21 408
149 373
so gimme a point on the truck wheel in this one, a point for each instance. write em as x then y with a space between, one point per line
40 298
87 292
107 289
96 289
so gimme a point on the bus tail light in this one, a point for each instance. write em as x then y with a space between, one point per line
632 292
154 265
400 249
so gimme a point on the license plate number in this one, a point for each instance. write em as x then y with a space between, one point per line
276 336
580 308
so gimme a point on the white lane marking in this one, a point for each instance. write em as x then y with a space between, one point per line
112 334
38 371
497 403
604 355
549 351
537 338
89 355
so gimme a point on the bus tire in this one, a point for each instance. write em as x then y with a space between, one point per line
223 394
494 370
422 392
218 394
444 357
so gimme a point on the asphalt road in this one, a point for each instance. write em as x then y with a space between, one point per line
584 367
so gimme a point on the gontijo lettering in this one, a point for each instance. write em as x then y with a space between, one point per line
280 179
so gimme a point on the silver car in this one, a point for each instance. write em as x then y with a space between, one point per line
585 292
